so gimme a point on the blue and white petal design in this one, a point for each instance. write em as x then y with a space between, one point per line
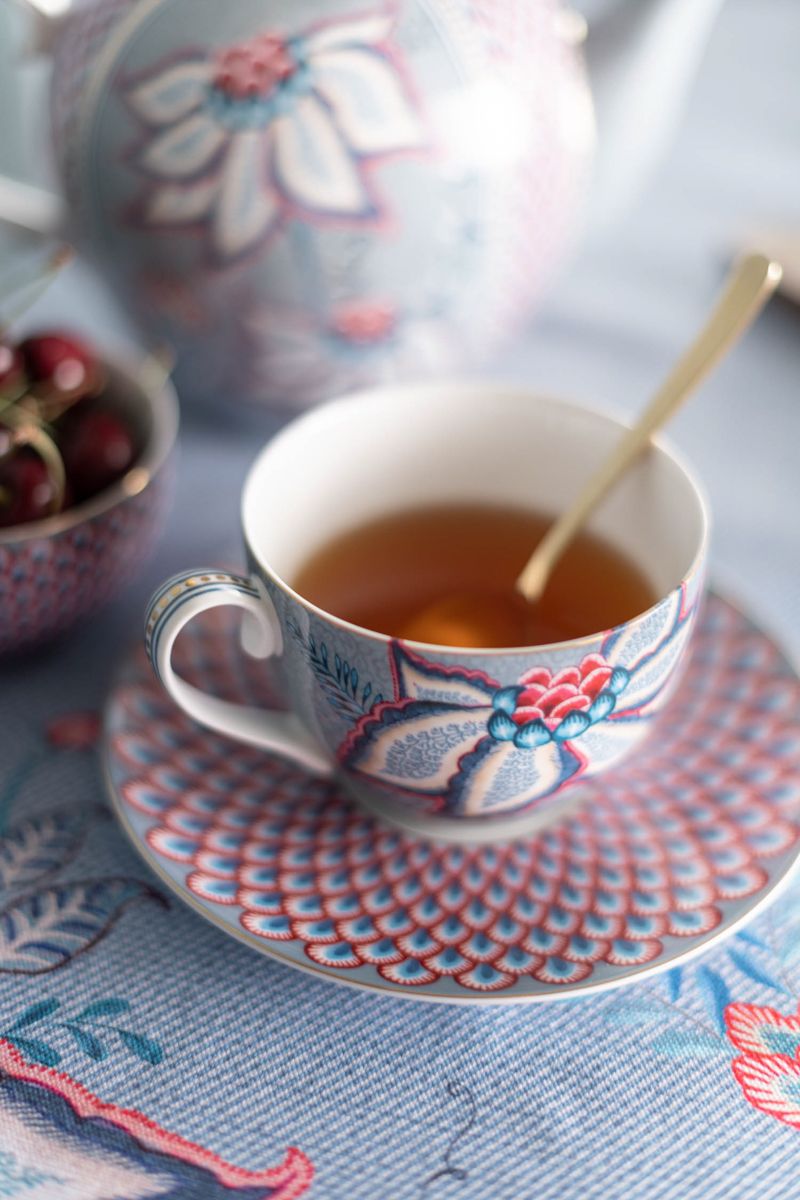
181 204
172 94
370 29
650 650
371 108
607 742
246 210
312 164
418 679
273 127
185 149
499 776
418 744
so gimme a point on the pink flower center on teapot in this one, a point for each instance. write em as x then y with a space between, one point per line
254 68
363 323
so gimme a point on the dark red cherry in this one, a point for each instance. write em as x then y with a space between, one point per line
97 448
60 363
26 490
12 371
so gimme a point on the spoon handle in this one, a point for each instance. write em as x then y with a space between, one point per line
752 282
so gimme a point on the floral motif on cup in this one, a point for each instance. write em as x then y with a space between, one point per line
273 127
477 746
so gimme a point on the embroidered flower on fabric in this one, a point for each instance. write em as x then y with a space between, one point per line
273 126
768 1070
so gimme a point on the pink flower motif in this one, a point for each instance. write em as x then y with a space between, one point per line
363 324
550 697
267 128
768 1072
756 1029
74 731
253 68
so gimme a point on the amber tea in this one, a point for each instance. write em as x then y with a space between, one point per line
446 575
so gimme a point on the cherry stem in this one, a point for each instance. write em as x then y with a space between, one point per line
39 284
27 432
7 401
157 367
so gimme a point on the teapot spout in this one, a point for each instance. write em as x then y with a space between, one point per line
642 58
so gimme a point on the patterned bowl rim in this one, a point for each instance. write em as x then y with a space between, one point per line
570 991
161 402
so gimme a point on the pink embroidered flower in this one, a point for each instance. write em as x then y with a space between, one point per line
363 324
768 1072
756 1029
74 731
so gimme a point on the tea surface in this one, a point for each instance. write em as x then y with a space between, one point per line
446 575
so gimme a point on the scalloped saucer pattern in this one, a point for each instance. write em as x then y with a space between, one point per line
676 848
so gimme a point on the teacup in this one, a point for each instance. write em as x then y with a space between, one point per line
425 734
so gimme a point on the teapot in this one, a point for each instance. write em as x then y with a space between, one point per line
307 197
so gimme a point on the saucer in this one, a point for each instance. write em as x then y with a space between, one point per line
673 850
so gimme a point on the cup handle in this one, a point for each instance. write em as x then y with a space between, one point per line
172 606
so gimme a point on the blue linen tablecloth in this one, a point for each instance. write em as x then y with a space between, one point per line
216 1062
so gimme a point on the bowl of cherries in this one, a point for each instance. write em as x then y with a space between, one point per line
85 444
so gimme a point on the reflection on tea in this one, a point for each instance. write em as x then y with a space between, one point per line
446 574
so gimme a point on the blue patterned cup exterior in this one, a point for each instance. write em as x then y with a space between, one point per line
308 198
433 736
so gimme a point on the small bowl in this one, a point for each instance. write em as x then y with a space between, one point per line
56 572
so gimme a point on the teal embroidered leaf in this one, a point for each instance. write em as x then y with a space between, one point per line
745 935
633 1013
87 1042
755 971
111 1007
36 1050
36 1012
715 993
678 1044
45 930
674 978
145 1048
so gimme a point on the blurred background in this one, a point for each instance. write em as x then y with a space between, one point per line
697 158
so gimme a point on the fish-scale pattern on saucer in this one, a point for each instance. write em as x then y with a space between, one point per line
656 859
